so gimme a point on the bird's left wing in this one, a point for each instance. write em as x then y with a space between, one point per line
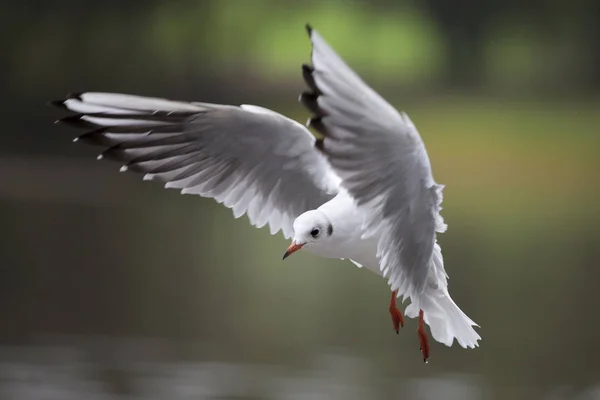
251 159
382 161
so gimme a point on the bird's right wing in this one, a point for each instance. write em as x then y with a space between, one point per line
382 161
251 159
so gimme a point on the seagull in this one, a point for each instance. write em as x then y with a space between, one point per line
361 188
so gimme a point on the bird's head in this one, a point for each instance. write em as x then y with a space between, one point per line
311 230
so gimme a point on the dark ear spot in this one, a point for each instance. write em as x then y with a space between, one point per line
329 230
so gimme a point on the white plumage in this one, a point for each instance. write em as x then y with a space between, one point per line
365 192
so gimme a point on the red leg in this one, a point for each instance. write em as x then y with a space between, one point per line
423 338
397 317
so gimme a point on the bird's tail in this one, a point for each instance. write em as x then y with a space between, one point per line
444 318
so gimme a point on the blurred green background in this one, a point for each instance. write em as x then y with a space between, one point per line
111 287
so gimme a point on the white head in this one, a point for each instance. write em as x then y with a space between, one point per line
311 229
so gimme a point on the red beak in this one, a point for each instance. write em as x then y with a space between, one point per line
292 249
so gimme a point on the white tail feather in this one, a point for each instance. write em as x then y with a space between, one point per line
445 319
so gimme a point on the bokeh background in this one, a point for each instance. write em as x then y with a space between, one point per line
112 288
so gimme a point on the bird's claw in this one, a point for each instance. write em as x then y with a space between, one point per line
423 338
397 318
424 344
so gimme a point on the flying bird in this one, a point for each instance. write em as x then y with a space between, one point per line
363 190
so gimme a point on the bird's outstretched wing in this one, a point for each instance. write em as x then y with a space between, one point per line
251 159
382 161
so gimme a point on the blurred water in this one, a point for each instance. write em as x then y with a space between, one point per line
138 368
123 370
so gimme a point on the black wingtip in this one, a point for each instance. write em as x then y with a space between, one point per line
320 145
71 118
309 29
307 74
61 103
95 137
56 103
76 121
75 95
309 100
317 123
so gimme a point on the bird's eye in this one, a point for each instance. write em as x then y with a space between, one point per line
315 232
